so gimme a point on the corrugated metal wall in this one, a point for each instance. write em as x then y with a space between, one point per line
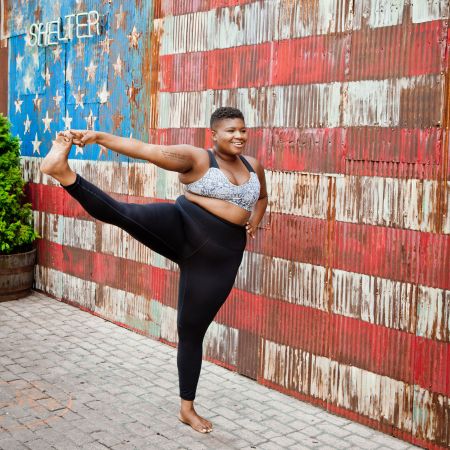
343 299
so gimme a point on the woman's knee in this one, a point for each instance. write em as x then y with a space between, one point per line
191 333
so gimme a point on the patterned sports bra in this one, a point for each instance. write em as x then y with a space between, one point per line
215 184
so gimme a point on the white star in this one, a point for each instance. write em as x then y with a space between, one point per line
18 105
103 95
120 17
91 71
69 73
27 79
106 44
20 141
19 59
47 122
118 66
36 56
47 77
79 48
67 120
103 151
27 40
90 120
57 98
36 145
57 53
27 125
56 9
133 38
37 102
78 149
18 19
79 98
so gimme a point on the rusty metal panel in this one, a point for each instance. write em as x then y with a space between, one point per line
343 299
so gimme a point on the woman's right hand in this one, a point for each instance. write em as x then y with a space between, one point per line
84 137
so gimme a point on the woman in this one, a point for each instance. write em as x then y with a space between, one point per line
204 232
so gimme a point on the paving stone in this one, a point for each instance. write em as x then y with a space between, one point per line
333 429
39 444
12 444
334 441
389 441
362 443
283 441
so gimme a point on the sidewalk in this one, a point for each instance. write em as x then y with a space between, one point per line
69 380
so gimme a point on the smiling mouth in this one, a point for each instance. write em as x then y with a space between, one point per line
239 144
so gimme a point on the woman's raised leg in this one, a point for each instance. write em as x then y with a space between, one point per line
158 225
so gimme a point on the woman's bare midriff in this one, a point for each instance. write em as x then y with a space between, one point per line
220 208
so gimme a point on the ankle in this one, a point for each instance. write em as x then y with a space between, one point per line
67 178
187 405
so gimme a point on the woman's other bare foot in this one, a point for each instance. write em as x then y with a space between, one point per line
189 416
56 163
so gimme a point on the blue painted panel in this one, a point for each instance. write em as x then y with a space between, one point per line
59 92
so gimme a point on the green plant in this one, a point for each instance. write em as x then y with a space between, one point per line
16 220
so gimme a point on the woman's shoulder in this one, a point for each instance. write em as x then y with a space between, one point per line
253 162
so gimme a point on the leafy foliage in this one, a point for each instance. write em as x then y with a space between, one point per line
16 220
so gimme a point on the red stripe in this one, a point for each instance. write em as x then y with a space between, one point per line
312 59
396 254
365 151
379 349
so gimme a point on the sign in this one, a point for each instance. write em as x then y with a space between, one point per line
85 25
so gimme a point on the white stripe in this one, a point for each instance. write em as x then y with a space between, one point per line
378 13
430 419
372 395
382 201
115 241
427 10
66 287
372 299
295 282
433 313
272 20
145 314
66 230
363 103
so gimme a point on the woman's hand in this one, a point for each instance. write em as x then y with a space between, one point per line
84 137
251 229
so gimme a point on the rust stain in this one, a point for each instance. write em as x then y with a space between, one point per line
151 69
331 232
117 120
442 185
38 13
132 92
4 24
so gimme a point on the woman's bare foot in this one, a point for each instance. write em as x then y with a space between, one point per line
56 163
189 416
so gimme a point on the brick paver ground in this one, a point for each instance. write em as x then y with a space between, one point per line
69 379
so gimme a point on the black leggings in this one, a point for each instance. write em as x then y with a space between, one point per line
207 248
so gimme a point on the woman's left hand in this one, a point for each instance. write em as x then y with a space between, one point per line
251 229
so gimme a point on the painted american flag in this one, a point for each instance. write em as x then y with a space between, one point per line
343 299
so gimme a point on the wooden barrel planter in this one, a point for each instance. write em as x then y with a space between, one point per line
16 275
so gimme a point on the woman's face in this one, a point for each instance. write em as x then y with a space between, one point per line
230 135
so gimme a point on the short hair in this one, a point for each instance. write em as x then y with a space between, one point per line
225 112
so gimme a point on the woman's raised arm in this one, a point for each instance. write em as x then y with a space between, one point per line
177 158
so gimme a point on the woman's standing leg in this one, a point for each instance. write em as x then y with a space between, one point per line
206 280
